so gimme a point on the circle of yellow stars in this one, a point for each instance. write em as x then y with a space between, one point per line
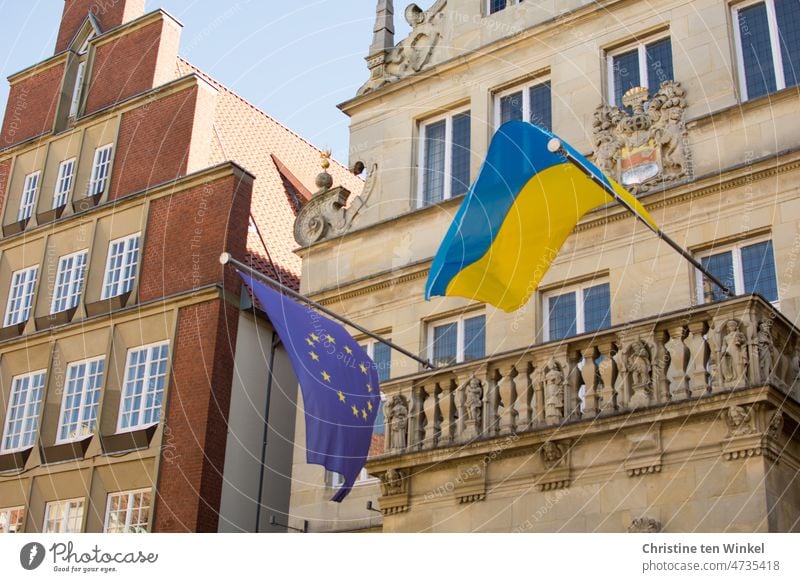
313 340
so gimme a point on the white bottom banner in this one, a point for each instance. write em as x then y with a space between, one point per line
401 557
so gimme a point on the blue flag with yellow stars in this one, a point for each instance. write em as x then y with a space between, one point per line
339 382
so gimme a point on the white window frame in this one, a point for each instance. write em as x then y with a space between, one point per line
77 90
738 275
580 316
85 415
115 287
526 97
459 319
24 406
448 153
69 282
64 183
67 517
101 170
774 41
7 512
21 280
641 48
488 6
30 191
129 509
145 382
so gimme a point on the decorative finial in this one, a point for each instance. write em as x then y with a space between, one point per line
324 179
383 32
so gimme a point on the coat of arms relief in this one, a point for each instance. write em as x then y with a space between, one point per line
644 145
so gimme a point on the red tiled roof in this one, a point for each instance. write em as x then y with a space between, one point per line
251 138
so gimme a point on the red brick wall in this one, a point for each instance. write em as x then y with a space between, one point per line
153 144
31 106
187 232
108 13
190 478
5 176
124 67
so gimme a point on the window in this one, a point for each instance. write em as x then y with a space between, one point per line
457 340
81 395
444 158
529 103
128 512
29 191
66 174
20 296
22 416
77 90
745 268
768 46
64 516
498 5
11 519
646 65
100 169
123 258
381 355
69 281
145 372
582 309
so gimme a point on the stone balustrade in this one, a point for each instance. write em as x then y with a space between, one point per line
704 350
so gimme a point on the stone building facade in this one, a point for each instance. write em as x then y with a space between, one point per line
628 394
131 382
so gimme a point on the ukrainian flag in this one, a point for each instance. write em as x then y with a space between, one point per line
515 218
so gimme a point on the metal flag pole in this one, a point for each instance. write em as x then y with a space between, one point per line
226 259
556 147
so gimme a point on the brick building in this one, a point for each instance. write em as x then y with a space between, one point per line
132 383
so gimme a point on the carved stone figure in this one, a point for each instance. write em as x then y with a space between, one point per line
733 355
393 482
738 420
553 392
397 415
648 145
412 54
766 349
552 453
644 525
775 424
639 364
473 400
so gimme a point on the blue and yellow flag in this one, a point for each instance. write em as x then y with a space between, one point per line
515 218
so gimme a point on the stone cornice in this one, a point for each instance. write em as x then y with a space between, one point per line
39 67
357 289
128 27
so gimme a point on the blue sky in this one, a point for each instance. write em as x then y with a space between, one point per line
295 63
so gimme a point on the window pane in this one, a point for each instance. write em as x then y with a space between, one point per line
511 108
788 16
597 307
758 270
475 338
626 74
433 187
460 162
562 316
659 64
541 106
383 361
380 421
756 51
445 338
496 5
721 266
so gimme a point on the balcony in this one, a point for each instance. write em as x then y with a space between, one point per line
734 362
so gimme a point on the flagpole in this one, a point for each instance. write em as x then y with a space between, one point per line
556 147
226 259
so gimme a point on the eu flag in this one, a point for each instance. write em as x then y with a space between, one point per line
338 380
